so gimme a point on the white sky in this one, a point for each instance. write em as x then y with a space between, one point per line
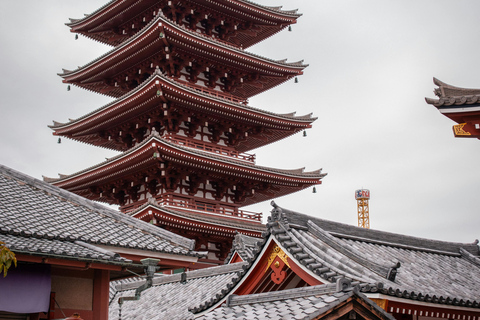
371 65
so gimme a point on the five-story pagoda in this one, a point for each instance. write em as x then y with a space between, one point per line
181 79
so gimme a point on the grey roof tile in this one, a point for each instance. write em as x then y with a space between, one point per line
287 304
168 298
35 216
427 267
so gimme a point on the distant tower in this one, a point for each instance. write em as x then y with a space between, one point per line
362 196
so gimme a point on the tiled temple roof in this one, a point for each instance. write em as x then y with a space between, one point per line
170 298
424 268
450 96
350 261
40 219
300 303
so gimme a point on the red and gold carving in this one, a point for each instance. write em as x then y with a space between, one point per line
277 260
459 130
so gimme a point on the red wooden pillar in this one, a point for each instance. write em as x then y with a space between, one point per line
101 284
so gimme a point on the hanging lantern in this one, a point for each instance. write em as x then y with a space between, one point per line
314 190
304 133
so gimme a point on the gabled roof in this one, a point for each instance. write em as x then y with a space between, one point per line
411 268
417 268
349 262
170 298
146 44
37 218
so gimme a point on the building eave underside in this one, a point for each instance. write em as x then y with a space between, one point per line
294 174
226 222
198 38
303 119
100 13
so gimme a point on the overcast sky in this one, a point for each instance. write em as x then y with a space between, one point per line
371 65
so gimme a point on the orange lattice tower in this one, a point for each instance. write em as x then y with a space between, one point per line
362 196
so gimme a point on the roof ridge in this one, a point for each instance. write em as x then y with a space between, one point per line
470 257
235 300
177 277
334 243
345 230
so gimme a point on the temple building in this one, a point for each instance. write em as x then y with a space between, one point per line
181 80
69 248
461 105
309 268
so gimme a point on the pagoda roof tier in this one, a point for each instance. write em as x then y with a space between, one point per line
197 221
144 108
158 161
181 53
239 22
461 105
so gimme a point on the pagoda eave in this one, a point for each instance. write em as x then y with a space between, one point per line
117 20
172 167
143 106
129 64
208 222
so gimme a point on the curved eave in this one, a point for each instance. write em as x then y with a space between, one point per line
96 15
147 37
450 97
142 156
207 99
271 20
221 223
85 129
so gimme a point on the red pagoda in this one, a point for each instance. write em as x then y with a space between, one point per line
181 119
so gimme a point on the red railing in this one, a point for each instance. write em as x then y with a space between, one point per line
190 204
212 92
211 148
211 208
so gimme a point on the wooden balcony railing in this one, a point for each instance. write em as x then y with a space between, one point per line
211 208
211 148
212 92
